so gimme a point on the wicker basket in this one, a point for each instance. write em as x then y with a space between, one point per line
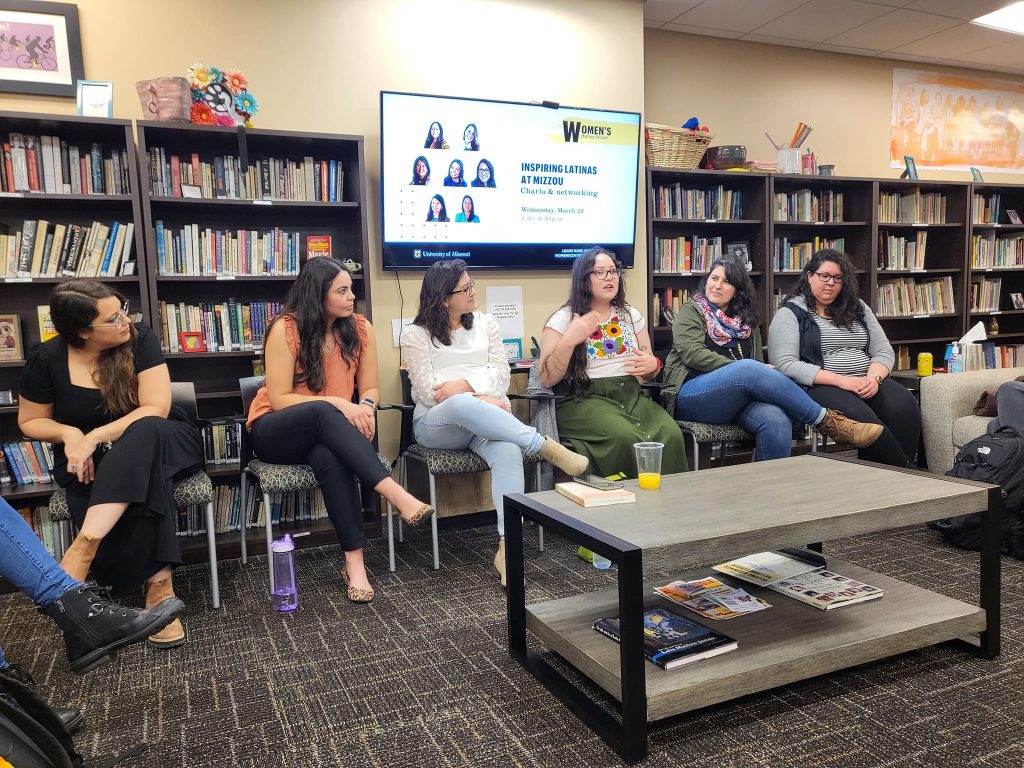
670 147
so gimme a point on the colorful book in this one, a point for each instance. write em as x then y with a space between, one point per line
318 245
671 640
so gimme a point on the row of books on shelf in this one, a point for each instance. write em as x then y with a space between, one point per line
907 297
807 206
911 206
223 441
26 462
232 325
904 252
50 165
47 249
682 254
269 178
715 204
792 257
672 639
192 249
52 533
286 509
984 355
670 298
985 210
987 250
985 294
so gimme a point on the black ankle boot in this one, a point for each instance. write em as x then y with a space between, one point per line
72 718
95 627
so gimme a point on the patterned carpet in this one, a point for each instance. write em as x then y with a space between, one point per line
421 677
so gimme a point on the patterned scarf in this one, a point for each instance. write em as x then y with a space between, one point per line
725 331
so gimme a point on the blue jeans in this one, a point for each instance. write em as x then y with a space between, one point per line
753 396
499 438
25 563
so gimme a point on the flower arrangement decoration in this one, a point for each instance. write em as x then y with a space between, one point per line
220 97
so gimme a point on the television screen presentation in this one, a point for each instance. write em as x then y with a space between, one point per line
504 185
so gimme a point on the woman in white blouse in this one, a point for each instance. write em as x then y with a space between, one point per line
460 376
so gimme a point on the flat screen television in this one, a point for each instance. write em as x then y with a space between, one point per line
504 185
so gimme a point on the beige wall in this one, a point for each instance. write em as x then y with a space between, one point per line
319 64
743 89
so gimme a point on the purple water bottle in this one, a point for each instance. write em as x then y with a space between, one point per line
286 589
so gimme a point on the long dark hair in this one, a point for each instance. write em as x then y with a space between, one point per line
475 144
438 284
476 180
430 139
580 297
845 310
305 302
744 302
415 176
443 216
472 208
72 310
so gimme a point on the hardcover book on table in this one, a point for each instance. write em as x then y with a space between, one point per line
586 496
671 640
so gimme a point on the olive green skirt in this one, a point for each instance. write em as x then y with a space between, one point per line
604 426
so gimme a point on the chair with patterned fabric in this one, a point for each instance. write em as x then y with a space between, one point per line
271 478
438 461
195 490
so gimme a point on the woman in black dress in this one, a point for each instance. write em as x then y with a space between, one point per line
101 393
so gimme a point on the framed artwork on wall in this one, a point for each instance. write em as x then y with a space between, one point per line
513 349
40 48
95 98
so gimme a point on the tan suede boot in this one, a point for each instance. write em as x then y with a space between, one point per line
499 560
79 556
841 429
173 634
573 464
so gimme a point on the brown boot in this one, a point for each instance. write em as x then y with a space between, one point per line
79 556
573 464
841 429
173 634
499 560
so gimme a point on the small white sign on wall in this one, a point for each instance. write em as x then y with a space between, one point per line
396 330
505 304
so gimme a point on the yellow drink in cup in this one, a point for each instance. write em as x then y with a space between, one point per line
648 464
649 480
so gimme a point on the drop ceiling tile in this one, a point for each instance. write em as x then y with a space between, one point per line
1006 55
893 30
910 57
741 15
958 9
820 20
952 43
771 40
673 27
844 49
666 10
891 3
653 24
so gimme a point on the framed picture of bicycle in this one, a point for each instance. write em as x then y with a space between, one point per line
40 48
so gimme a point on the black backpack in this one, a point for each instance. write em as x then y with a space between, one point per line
32 736
996 458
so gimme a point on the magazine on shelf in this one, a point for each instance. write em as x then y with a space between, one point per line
711 598
671 640
801 580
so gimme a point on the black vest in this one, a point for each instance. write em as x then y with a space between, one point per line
810 334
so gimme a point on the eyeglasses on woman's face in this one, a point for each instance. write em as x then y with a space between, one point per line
466 289
826 277
601 274
118 321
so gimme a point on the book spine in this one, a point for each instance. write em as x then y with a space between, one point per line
96 155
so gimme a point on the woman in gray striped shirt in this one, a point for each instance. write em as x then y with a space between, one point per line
828 340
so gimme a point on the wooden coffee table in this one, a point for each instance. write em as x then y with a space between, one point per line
702 518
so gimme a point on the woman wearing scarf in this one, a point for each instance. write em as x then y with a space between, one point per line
718 364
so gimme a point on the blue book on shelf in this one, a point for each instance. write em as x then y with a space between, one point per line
109 250
161 250
332 181
15 472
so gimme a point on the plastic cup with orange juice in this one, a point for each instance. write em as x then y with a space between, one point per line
648 464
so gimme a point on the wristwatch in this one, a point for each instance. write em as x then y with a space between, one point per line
369 402
878 378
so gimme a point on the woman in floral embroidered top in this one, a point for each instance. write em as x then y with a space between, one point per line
595 351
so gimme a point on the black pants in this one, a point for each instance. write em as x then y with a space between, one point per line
892 406
317 434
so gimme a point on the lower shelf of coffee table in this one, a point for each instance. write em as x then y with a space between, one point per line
788 642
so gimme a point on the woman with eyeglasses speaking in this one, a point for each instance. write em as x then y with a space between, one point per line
460 377
100 392
595 351
827 340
